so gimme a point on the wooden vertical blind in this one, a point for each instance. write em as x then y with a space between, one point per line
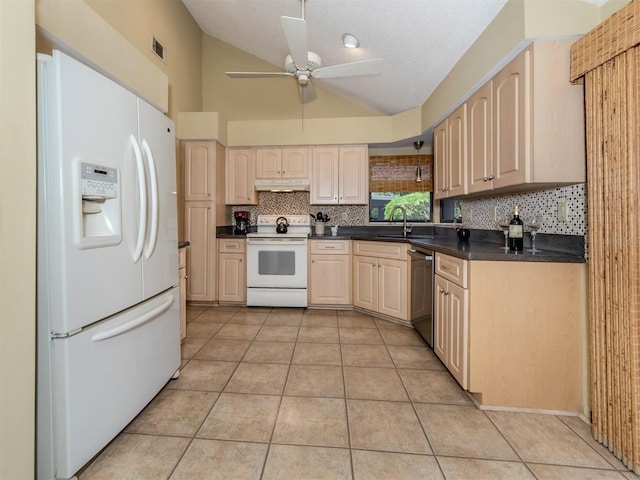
398 173
608 59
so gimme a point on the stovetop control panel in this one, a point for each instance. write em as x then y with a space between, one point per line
297 220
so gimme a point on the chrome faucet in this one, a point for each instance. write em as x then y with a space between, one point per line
405 228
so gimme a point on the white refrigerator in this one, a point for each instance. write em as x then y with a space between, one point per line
108 309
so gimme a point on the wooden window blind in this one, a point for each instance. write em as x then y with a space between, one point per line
398 173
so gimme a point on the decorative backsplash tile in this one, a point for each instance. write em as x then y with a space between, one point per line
297 203
543 201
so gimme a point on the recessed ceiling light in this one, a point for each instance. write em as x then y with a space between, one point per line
350 41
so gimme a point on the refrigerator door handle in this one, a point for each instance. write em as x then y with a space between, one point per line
143 199
150 315
153 182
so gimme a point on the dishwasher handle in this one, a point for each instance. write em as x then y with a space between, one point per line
427 256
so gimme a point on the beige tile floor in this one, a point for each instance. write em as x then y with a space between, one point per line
294 394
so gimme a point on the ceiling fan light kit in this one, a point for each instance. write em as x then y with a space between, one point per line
305 65
350 41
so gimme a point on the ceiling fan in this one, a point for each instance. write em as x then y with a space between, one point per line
305 65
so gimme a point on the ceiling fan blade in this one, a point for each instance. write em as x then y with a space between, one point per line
307 92
295 31
363 67
259 74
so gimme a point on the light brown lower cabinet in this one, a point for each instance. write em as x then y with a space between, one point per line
329 272
514 333
380 278
199 231
451 326
232 270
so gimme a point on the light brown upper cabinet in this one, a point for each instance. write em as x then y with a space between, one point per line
240 175
538 121
450 155
525 127
479 161
288 162
199 165
340 175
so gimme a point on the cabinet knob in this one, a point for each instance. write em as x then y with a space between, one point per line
491 177
240 260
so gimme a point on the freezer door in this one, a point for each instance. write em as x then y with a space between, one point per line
105 375
85 117
160 254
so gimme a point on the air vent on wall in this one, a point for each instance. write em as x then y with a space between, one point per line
159 50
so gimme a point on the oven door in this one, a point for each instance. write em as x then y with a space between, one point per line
277 262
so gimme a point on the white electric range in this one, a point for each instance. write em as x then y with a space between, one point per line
277 261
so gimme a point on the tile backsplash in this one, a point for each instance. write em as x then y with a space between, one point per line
297 203
543 201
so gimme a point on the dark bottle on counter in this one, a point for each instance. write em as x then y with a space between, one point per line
516 243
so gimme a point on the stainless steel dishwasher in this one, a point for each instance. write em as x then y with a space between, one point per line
421 311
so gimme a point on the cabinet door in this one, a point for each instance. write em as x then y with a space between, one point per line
353 176
480 173
458 333
365 282
330 277
511 92
199 161
295 163
232 277
457 155
268 163
324 179
199 231
440 318
440 160
392 288
240 186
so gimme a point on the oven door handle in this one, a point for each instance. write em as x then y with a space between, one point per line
276 241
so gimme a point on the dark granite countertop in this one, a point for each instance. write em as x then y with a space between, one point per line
492 251
484 245
487 246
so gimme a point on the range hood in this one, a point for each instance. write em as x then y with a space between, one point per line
283 185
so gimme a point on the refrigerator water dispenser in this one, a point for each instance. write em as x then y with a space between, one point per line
98 221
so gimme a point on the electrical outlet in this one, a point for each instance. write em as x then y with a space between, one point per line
494 214
344 216
563 213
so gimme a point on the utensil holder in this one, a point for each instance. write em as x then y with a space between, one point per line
319 228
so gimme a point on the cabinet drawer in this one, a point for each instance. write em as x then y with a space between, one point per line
231 245
452 268
182 258
394 251
330 247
